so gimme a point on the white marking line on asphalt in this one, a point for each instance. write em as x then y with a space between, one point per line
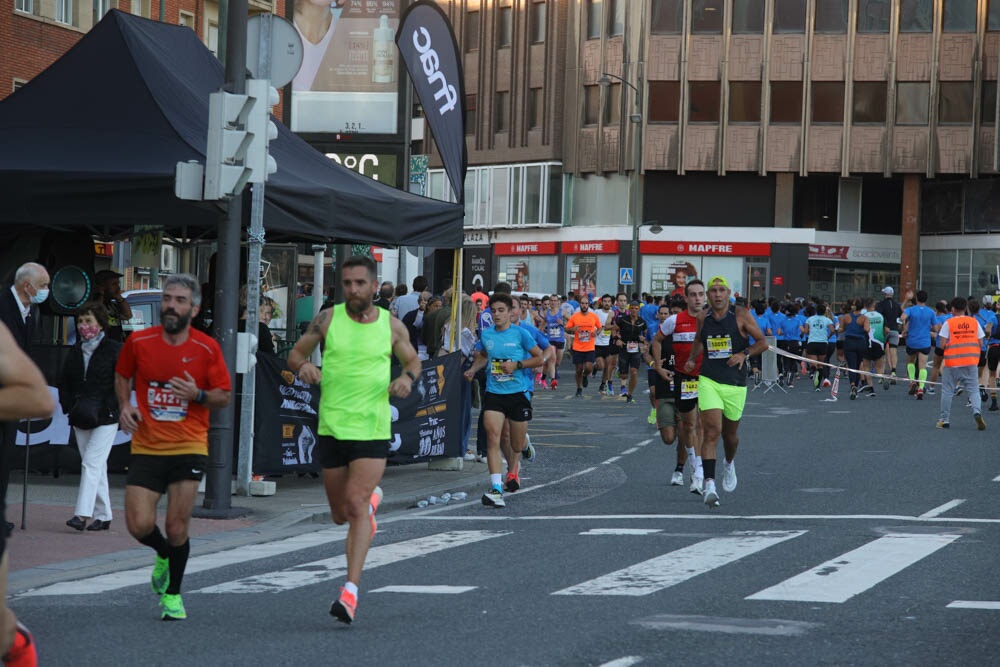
990 605
244 554
433 590
709 517
630 450
938 511
327 569
841 578
611 460
733 626
678 566
997 478
622 531
627 661
645 442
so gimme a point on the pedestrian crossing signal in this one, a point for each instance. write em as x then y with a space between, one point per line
625 276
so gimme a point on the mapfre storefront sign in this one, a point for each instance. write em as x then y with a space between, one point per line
705 248
845 253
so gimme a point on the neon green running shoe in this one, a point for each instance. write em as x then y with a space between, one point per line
161 576
652 416
173 608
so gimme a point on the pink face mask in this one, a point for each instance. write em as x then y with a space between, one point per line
88 331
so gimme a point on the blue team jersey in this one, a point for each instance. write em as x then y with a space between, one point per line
774 322
648 314
938 321
511 344
789 328
987 318
918 333
542 341
555 329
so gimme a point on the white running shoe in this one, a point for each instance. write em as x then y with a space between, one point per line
729 477
711 496
677 479
696 485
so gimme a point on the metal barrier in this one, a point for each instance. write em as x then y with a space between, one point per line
769 366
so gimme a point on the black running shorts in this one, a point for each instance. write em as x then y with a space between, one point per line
921 350
157 472
515 407
580 358
993 357
603 351
335 453
816 349
627 360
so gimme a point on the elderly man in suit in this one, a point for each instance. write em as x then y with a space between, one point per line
19 312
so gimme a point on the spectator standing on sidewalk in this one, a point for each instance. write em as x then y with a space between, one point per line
87 395
108 292
961 338
358 340
179 375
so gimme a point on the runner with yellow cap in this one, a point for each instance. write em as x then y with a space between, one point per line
723 333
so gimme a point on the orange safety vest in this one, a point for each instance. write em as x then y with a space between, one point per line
963 342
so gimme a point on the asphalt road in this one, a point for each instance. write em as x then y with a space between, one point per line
859 534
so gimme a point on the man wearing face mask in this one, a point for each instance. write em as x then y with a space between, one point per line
19 311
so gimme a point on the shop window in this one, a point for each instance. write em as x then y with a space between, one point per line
831 16
912 102
748 17
828 102
666 17
471 114
594 10
664 101
869 102
916 15
538 23
993 15
939 273
704 102
501 113
873 16
505 28
881 205
534 108
471 32
789 16
616 17
591 105
706 17
988 107
744 101
786 101
960 15
816 202
955 102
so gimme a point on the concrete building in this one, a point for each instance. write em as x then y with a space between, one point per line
825 147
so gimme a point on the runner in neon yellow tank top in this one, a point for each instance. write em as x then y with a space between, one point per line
354 415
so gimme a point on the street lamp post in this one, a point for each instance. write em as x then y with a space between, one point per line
636 119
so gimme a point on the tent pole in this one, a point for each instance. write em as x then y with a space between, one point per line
456 298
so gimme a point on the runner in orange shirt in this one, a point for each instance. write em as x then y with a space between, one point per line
584 325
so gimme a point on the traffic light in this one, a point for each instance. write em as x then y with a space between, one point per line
229 137
259 161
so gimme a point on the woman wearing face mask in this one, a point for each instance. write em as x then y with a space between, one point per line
87 395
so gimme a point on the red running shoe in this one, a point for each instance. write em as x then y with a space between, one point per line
22 653
344 607
512 483
375 500
554 383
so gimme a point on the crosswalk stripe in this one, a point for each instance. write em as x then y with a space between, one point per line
434 590
975 604
327 569
843 577
622 531
677 566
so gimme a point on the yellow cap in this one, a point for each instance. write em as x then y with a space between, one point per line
718 280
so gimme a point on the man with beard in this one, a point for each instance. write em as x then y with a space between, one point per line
178 374
355 421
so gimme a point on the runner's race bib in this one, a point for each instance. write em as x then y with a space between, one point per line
689 390
719 347
497 371
555 332
632 347
583 335
164 406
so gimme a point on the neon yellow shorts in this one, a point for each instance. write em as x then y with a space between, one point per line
714 395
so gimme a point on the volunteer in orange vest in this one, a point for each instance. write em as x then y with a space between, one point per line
583 325
961 337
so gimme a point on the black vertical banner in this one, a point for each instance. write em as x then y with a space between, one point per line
430 53
425 424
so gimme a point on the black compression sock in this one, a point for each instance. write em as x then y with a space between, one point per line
708 465
178 563
679 468
157 542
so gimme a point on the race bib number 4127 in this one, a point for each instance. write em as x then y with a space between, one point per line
164 405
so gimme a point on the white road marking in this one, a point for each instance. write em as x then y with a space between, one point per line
622 531
645 442
433 590
975 604
611 460
244 554
327 569
627 661
699 517
732 626
997 478
938 511
845 576
630 450
678 566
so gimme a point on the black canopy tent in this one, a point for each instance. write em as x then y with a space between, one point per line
93 142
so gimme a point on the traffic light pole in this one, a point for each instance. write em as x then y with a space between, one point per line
218 484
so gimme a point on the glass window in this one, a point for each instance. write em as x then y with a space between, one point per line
538 23
664 101
828 102
815 202
532 195
484 196
555 195
706 17
471 115
831 16
613 104
501 114
873 15
470 197
959 15
912 102
616 17
786 101
594 19
515 195
869 101
591 104
666 17
26 6
993 15
916 15
506 27
982 196
471 34
955 102
704 102
534 108
186 19
988 108
789 16
744 101
500 216
212 38
142 317
938 274
64 12
941 208
748 17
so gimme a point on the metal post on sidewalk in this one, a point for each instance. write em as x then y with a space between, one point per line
24 486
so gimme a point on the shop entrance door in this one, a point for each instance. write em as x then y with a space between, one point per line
757 281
